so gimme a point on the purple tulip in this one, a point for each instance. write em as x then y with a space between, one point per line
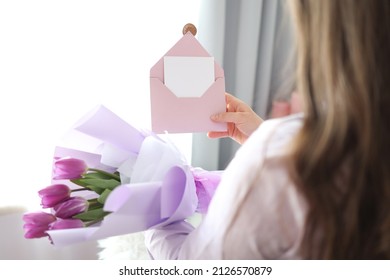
39 218
54 194
66 224
33 231
71 207
36 224
69 168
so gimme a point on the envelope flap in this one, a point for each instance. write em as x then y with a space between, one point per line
188 45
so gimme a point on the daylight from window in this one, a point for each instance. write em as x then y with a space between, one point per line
61 59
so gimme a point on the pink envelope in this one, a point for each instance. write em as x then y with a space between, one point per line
174 114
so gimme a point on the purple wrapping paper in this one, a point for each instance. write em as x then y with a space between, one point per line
158 188
206 183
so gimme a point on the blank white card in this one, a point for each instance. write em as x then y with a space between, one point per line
188 76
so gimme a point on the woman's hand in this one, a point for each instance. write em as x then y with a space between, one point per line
240 118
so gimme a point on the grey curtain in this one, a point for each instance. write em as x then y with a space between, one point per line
252 40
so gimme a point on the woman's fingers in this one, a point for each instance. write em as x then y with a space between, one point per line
217 134
227 117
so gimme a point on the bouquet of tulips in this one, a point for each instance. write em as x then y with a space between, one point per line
71 211
132 181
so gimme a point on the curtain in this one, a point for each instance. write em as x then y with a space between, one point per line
253 42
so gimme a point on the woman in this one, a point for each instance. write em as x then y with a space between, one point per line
316 185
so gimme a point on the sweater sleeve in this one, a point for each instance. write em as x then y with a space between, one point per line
166 242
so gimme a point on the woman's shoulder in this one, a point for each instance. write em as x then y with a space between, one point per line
265 150
274 136
271 209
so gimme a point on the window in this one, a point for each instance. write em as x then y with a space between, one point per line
59 59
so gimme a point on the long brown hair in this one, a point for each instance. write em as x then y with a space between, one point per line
341 157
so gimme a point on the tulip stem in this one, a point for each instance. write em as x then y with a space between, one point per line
79 190
113 176
94 203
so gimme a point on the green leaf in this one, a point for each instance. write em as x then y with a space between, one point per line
102 198
94 204
91 215
96 175
79 182
114 175
101 183
95 189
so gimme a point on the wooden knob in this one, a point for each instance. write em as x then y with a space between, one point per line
189 27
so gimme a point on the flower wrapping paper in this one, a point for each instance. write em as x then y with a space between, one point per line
158 186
